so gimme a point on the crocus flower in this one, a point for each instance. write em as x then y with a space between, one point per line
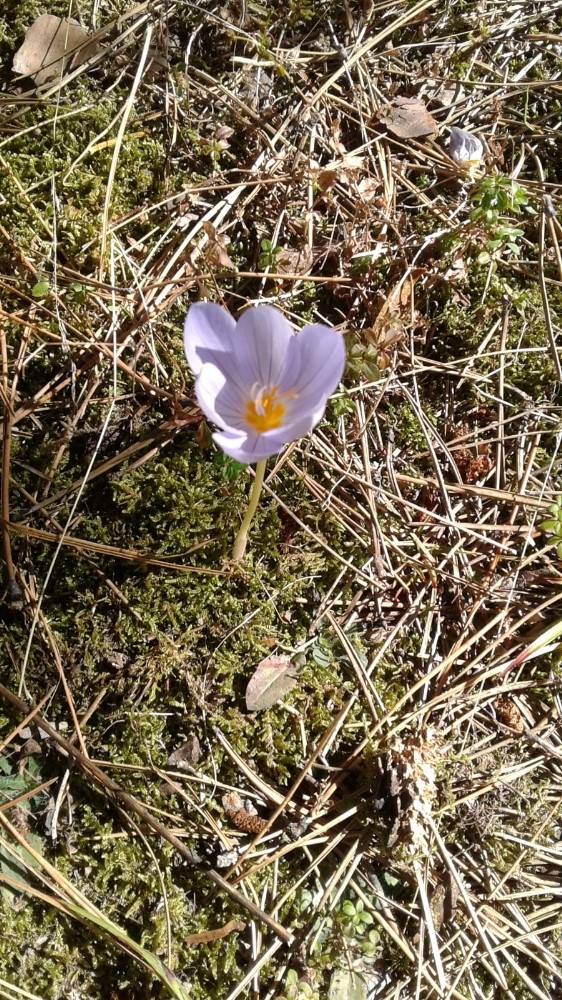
465 148
258 381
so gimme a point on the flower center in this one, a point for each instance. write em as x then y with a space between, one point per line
266 409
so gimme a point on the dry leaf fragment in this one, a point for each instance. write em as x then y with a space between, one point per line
389 326
339 171
187 755
216 248
408 118
437 905
294 261
508 713
205 937
272 680
226 859
369 188
456 272
49 45
222 134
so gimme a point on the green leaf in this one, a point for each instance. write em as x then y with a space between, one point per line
12 784
10 863
321 656
230 469
40 289
390 881
368 949
77 292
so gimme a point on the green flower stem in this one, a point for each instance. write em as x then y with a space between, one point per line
242 536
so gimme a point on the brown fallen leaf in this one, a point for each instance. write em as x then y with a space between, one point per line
399 298
294 261
408 118
369 188
51 45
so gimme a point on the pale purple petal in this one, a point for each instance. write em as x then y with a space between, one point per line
263 336
207 334
304 411
219 397
301 420
465 147
321 352
250 448
234 372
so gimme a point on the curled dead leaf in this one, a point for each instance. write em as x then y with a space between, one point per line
395 313
294 261
369 188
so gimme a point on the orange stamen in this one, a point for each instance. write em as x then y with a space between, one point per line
265 412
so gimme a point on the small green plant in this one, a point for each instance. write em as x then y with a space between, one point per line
494 200
356 924
496 196
297 989
341 406
13 785
229 468
40 289
268 254
553 525
77 293
349 929
505 238
325 651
